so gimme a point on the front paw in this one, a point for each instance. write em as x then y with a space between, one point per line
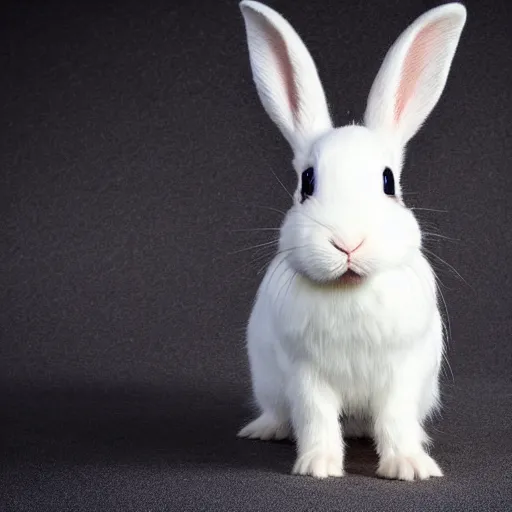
409 467
319 464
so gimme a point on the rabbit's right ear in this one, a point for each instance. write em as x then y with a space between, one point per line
286 77
414 73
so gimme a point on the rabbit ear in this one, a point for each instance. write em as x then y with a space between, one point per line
285 75
414 72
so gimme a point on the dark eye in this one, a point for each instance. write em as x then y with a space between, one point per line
389 182
308 183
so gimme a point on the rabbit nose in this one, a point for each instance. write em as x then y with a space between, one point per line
341 247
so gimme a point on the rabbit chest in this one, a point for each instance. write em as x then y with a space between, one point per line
357 336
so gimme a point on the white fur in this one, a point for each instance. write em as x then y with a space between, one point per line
318 348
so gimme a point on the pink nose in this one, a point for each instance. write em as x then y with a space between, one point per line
341 248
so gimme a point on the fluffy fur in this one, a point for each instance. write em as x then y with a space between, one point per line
321 346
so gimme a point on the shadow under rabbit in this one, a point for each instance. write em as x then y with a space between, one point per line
182 426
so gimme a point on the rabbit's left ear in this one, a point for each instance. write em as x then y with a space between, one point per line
414 73
286 77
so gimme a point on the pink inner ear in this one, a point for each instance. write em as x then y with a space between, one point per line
415 62
284 65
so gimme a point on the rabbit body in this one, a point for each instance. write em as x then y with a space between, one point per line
346 320
370 353
361 341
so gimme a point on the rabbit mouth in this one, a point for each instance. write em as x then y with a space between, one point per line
351 277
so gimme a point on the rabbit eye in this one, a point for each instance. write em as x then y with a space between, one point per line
389 182
308 183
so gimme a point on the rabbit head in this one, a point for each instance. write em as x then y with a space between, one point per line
348 219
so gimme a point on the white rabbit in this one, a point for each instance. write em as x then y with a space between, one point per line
346 321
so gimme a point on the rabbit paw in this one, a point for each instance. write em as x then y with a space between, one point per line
413 467
319 464
265 428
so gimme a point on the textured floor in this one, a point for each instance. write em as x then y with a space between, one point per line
133 147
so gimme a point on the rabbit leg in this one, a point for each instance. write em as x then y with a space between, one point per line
400 440
268 388
399 433
315 418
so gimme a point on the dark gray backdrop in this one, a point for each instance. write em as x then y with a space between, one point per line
133 148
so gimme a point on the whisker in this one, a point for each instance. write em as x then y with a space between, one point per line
414 208
283 251
436 266
265 244
264 254
275 269
426 224
263 207
255 229
280 183
294 248
268 254
264 267
447 326
447 362
449 266
441 236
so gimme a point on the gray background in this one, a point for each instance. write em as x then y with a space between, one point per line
133 148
